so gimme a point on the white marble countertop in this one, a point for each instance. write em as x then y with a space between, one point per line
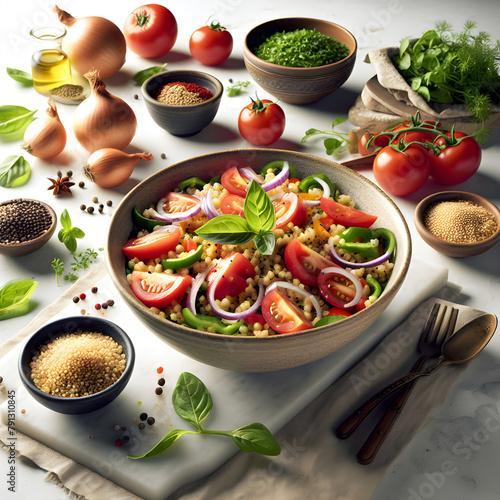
455 456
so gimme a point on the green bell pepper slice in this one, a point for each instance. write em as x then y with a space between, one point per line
375 286
144 223
191 182
183 262
215 179
366 241
278 166
327 320
201 322
311 183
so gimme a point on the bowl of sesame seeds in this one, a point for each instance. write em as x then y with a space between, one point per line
77 364
182 102
25 226
457 223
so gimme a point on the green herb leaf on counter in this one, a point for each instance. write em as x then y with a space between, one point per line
193 403
259 220
335 145
84 259
15 296
236 88
15 119
15 171
71 277
20 76
68 234
58 267
141 76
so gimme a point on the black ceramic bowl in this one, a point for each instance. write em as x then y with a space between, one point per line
187 120
83 404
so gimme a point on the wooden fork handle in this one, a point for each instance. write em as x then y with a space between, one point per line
351 423
377 437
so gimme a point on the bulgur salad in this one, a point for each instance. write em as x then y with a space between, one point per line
257 254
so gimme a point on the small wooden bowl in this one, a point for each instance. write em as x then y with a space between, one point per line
456 249
26 247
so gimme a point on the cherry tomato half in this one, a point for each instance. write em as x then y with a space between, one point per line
152 245
289 208
282 314
159 290
150 30
232 204
234 182
235 269
455 164
304 263
347 216
262 122
179 202
211 45
402 173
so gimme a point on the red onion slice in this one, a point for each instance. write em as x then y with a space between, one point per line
355 265
250 173
195 286
160 214
326 193
300 291
353 279
229 315
279 179
207 205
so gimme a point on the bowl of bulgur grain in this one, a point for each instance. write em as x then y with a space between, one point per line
252 348
457 223
77 364
182 102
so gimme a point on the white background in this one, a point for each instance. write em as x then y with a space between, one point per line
374 24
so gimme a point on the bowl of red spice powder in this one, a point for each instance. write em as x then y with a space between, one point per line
182 102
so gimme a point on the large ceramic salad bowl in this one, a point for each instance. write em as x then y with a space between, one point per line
276 352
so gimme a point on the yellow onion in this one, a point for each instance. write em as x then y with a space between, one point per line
45 137
93 42
110 167
103 120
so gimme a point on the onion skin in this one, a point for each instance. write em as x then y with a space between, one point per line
45 137
110 167
93 42
103 120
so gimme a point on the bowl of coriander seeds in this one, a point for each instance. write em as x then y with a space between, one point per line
77 364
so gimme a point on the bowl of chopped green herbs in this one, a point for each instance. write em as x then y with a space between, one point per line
299 60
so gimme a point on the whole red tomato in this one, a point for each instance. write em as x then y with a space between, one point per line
401 172
379 141
455 164
262 122
150 30
416 135
211 45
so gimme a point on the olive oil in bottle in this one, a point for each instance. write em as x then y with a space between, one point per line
50 66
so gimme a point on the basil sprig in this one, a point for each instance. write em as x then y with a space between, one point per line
15 296
68 233
193 403
15 171
257 225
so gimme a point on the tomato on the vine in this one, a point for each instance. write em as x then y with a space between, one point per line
211 45
455 164
416 135
150 30
401 173
262 122
379 141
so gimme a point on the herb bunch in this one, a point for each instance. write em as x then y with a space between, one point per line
453 68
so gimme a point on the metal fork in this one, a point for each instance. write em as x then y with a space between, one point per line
439 326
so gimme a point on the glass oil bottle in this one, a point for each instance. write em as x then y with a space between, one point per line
50 66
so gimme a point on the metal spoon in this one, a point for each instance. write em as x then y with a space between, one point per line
462 346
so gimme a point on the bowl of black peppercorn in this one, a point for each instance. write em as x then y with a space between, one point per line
25 226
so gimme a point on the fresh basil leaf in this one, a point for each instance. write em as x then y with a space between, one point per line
228 229
256 438
424 91
141 76
20 76
15 298
191 399
265 242
14 118
310 133
77 232
163 444
331 145
65 219
68 239
403 46
404 61
338 121
258 208
15 171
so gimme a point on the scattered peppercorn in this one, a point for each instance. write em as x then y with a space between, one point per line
1 379
59 174
136 96
151 420
81 184
83 296
111 302
109 203
76 299
124 428
158 391
97 306
94 289
163 156
141 426
90 210
161 381
125 439
95 199
69 173
117 427
118 443
104 305
101 209
83 208
159 370
143 416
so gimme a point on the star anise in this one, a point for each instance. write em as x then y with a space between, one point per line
60 185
